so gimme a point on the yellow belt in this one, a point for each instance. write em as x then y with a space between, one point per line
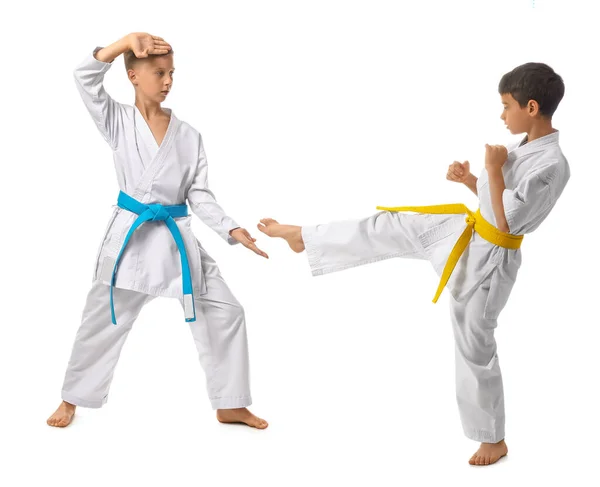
474 222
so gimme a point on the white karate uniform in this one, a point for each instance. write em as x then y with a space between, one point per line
150 266
535 175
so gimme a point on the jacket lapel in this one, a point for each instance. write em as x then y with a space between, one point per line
160 152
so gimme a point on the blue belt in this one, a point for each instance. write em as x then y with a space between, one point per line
156 212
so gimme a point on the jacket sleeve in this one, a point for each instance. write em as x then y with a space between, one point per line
533 196
106 112
203 203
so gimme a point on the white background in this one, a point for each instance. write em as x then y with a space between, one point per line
310 111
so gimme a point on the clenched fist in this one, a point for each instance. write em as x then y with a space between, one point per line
458 172
495 156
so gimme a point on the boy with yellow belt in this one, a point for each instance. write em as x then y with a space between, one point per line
477 254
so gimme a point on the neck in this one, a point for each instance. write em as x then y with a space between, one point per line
540 129
149 109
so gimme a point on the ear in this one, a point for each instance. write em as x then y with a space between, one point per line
533 108
132 76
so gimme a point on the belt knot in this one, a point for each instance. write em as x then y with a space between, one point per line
159 212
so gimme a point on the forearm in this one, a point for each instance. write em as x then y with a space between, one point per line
497 187
471 183
109 53
212 214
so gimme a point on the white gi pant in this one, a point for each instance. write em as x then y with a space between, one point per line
219 333
344 244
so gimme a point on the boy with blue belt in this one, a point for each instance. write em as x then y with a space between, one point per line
149 249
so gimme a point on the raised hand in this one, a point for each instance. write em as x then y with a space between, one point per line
458 172
495 156
143 44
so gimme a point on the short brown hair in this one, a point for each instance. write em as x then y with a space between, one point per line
131 60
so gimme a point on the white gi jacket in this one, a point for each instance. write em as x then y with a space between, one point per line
169 175
535 175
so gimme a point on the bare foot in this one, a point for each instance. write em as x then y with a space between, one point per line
489 453
241 415
292 234
62 416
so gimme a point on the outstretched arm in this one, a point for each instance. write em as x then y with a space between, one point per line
204 205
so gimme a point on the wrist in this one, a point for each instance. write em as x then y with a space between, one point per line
493 168
125 43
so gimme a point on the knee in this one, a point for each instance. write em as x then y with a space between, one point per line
477 354
474 339
236 314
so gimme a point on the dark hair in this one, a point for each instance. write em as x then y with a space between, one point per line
131 60
534 81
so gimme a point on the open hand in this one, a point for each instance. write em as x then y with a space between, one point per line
143 44
243 237
458 172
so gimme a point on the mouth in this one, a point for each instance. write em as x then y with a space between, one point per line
165 92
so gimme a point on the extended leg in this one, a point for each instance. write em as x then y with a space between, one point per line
343 244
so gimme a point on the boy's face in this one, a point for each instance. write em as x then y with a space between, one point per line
518 120
154 77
